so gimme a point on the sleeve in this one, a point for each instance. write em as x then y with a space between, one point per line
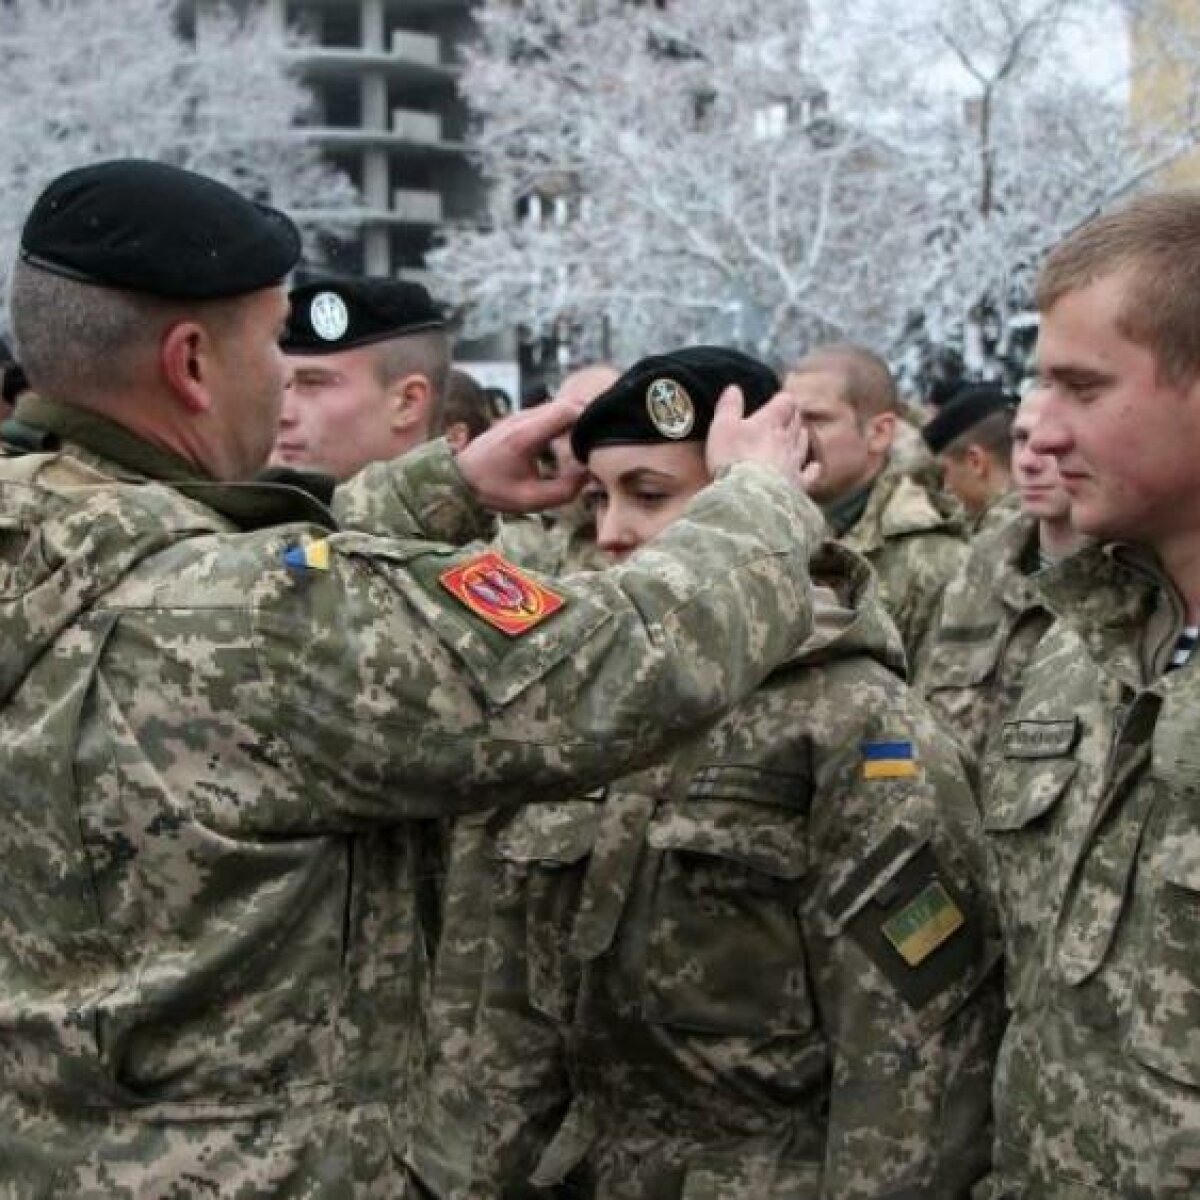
419 495
907 973
399 693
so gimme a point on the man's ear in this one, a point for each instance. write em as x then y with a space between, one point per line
185 358
979 461
881 432
410 397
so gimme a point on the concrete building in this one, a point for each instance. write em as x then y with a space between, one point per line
384 79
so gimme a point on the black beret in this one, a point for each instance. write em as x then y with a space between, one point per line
329 315
963 411
670 398
158 230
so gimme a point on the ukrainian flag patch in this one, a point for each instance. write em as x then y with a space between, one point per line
311 557
889 760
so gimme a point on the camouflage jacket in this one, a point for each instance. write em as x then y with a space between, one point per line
214 741
558 544
913 537
1090 802
759 969
989 624
998 513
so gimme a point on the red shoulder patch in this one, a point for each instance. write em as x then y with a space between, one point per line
501 593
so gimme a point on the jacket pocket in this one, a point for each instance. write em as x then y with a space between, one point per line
725 952
1020 804
544 850
1165 1018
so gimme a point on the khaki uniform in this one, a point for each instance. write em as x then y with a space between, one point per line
989 625
212 763
689 988
1091 808
913 538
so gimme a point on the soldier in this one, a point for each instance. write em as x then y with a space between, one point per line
221 720
369 361
907 531
971 435
758 969
992 616
1091 787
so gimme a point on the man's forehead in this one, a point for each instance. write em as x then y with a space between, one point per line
819 387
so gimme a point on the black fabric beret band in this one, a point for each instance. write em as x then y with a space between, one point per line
331 315
158 230
963 411
670 398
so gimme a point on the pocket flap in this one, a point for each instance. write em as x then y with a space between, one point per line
958 660
765 837
557 834
1022 796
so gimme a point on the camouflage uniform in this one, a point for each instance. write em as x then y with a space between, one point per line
998 513
211 762
913 537
1092 796
698 966
559 545
990 622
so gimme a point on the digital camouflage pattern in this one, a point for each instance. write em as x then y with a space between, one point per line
913 536
995 515
1091 796
687 988
989 624
558 544
212 766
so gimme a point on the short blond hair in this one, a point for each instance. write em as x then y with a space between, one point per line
1156 240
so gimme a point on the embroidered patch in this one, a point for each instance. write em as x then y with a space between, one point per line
670 408
1040 739
311 557
500 593
889 760
923 924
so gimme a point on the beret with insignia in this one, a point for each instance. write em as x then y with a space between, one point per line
670 398
330 315
157 230
963 411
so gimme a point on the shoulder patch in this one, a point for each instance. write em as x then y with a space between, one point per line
889 760
501 593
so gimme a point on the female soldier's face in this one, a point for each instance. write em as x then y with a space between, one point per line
637 491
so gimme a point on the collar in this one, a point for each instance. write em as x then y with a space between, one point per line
44 424
845 512
1120 601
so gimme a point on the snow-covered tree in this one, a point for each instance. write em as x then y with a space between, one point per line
774 174
86 80
664 175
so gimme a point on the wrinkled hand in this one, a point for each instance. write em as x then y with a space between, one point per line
501 465
774 436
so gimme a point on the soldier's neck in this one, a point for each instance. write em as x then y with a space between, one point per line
1057 540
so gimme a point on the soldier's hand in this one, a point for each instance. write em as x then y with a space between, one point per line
501 465
774 436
